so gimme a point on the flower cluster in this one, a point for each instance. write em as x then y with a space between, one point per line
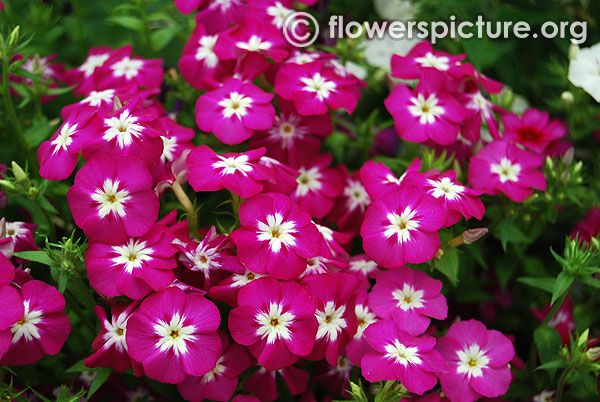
316 265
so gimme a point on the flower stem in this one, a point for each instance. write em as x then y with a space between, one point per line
10 107
188 207
562 380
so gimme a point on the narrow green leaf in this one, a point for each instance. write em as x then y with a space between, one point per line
449 265
561 285
548 343
591 281
78 367
35 256
63 281
544 283
127 21
82 293
509 233
164 36
552 365
99 380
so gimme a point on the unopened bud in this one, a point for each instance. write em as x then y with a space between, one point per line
567 97
577 167
583 338
37 67
507 97
593 353
595 243
472 235
573 51
2 228
532 197
568 156
7 185
13 37
549 162
117 103
18 172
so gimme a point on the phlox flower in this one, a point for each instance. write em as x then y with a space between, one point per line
11 301
408 297
457 199
477 360
314 88
135 267
422 56
84 76
273 11
583 70
173 334
402 227
349 208
378 179
199 64
127 70
317 186
228 289
130 130
44 68
110 346
220 383
358 346
58 156
188 6
562 320
42 329
427 113
210 255
218 16
112 199
534 130
239 173
292 136
478 108
276 237
401 356
16 236
335 378
282 177
363 268
234 111
589 227
335 295
252 36
333 242
264 382
176 139
276 320
501 167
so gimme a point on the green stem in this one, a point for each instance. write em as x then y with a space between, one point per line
187 206
146 30
554 309
10 107
562 380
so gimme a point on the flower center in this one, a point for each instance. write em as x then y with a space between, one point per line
250 276
111 199
319 85
401 225
274 323
426 109
120 331
277 232
408 298
506 170
331 321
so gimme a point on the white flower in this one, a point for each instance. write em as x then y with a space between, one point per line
584 70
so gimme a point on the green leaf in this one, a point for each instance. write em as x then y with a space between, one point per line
38 132
509 233
548 343
544 283
35 256
82 293
561 285
99 379
164 36
552 365
448 265
63 281
357 392
591 281
78 367
42 397
59 91
127 21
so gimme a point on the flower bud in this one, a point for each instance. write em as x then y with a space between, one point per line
2 228
593 353
568 156
7 185
567 97
18 172
13 37
573 51
549 162
117 103
472 235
